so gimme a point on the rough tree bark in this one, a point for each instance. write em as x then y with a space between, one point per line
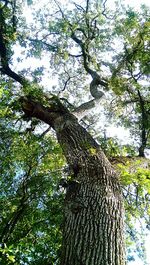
93 232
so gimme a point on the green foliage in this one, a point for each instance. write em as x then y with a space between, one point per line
7 254
31 204
117 45
135 180
113 147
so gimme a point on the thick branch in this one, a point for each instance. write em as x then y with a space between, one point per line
49 114
81 111
5 69
35 109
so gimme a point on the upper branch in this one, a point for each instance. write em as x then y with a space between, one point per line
96 79
4 51
84 45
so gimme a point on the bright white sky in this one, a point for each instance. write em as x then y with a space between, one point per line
136 4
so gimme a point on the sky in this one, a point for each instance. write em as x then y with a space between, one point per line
136 4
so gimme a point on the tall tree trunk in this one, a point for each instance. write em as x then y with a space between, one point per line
93 232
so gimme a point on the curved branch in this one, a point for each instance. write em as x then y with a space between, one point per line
5 69
96 79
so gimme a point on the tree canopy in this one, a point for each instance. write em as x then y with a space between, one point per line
96 61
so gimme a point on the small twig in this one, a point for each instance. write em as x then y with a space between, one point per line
45 132
66 83
79 7
104 10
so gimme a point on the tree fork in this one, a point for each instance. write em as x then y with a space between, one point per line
93 230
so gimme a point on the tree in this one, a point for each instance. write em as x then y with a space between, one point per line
93 225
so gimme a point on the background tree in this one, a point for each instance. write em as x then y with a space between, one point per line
89 47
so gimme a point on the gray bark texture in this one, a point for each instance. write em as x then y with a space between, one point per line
93 230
